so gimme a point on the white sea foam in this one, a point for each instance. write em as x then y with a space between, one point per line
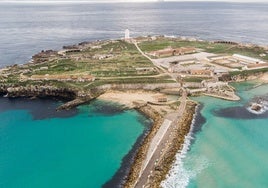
264 108
181 174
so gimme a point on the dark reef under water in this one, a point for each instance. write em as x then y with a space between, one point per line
197 125
238 112
105 108
242 112
44 108
199 120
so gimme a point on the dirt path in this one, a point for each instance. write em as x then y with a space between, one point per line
146 56
155 64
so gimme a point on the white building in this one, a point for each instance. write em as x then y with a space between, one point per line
127 34
247 60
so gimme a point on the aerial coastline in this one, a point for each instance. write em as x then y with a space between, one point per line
156 82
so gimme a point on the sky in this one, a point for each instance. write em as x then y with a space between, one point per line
245 1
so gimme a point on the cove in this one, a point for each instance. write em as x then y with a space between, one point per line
83 147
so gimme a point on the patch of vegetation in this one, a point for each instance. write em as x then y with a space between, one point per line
248 72
194 79
123 60
162 43
218 48
142 80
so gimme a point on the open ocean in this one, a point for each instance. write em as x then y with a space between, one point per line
85 147
26 29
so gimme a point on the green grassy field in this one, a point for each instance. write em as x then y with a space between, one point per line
124 61
194 79
122 64
210 47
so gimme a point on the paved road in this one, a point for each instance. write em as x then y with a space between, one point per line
160 141
163 136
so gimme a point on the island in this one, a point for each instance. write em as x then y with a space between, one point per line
153 74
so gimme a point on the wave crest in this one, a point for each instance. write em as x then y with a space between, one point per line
181 173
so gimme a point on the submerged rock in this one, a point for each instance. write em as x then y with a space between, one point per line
256 107
259 106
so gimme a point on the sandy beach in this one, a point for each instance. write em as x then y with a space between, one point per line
159 113
128 97
264 78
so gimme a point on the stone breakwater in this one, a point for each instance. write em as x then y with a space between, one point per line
133 175
76 97
167 159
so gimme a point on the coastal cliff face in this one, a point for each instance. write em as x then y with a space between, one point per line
38 91
75 97
3 89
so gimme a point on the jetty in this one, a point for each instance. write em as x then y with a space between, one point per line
157 64
160 142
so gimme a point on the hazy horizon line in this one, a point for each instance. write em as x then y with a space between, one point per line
122 1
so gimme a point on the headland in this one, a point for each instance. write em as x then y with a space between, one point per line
154 75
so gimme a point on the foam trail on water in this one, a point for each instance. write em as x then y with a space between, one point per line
180 175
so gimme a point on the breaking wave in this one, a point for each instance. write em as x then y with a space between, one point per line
181 173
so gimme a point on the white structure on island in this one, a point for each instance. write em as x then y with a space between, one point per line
127 34
247 60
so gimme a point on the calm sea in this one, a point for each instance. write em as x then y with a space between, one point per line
228 146
26 29
85 147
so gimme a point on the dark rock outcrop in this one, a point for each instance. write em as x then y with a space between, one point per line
44 56
39 91
76 97
256 107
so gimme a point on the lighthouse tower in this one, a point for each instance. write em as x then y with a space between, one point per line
127 37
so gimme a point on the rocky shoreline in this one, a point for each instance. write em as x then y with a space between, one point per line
141 154
168 157
74 97
79 95
167 160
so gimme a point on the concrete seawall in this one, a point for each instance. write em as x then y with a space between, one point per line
139 86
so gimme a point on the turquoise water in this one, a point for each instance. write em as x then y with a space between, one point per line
230 150
84 150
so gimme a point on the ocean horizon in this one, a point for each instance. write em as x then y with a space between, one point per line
88 146
26 29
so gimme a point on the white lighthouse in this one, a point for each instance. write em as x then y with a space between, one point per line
127 37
